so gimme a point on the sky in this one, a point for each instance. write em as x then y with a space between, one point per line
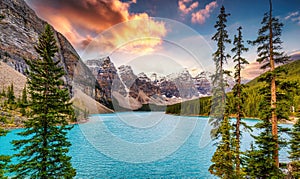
164 36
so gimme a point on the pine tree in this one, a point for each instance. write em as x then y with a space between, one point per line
295 148
10 94
3 158
24 101
3 93
222 159
220 58
42 152
239 48
269 46
259 160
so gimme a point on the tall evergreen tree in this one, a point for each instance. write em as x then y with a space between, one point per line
238 49
220 59
295 148
24 101
3 158
259 160
42 151
269 46
222 159
10 94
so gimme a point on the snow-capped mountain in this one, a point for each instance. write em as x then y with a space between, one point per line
148 88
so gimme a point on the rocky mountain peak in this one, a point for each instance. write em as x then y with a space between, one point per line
19 31
107 77
127 75
142 76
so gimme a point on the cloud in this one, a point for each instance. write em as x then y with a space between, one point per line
81 20
294 17
292 14
297 20
201 15
182 6
295 55
252 71
139 36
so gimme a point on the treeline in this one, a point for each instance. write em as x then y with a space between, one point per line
199 106
13 109
202 106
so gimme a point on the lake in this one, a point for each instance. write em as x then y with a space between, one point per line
141 145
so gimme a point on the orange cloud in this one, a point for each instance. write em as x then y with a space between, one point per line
182 5
201 15
140 36
81 20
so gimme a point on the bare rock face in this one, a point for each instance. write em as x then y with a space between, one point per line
140 87
127 75
168 88
137 90
202 83
184 83
19 31
107 77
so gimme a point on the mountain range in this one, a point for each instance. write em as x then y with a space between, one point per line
131 91
99 79
96 85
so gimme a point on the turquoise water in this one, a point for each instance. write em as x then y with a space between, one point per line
141 145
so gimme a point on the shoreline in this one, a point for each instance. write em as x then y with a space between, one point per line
292 120
7 127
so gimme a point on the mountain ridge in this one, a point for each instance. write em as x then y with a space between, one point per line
19 32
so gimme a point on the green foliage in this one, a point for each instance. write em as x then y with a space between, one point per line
220 58
218 82
11 95
2 17
260 159
42 151
23 102
3 93
251 102
199 106
3 158
238 95
24 96
223 157
252 97
295 147
222 160
271 30
289 76
269 53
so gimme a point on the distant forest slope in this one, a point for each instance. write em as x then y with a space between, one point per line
202 106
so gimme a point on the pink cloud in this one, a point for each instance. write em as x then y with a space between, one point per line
252 71
201 15
81 20
184 8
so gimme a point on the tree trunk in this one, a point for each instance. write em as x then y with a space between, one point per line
238 120
273 91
